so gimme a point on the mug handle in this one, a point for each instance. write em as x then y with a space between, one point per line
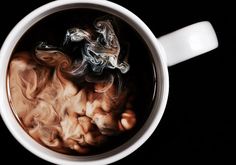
188 42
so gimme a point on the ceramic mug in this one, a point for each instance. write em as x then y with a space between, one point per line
167 50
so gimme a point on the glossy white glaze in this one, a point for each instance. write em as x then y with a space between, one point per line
189 42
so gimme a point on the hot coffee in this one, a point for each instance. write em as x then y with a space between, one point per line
81 82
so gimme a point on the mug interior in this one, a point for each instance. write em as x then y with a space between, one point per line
159 66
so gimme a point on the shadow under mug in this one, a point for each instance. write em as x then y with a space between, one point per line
167 50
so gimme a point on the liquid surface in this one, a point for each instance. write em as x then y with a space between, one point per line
85 92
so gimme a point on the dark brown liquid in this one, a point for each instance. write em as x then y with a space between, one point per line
140 80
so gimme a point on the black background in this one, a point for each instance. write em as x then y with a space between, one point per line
199 122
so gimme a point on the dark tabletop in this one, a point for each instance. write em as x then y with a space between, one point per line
198 124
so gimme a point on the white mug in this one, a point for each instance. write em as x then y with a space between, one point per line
167 50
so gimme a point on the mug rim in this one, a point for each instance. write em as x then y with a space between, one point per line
109 7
